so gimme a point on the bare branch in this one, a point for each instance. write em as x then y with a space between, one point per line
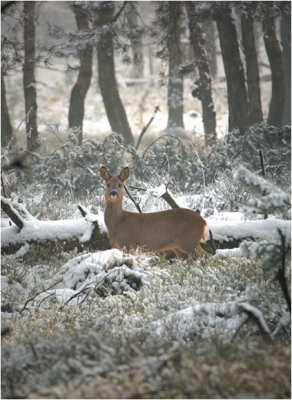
130 196
258 318
38 293
147 126
169 199
12 213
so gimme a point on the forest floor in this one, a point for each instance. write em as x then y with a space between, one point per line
112 324
148 326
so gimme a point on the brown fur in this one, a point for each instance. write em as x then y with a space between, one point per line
179 230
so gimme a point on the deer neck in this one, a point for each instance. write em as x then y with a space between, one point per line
113 213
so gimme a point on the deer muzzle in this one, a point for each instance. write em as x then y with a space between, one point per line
114 194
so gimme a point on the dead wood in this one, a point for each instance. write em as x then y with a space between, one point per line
98 240
12 213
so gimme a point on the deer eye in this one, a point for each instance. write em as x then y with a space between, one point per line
120 185
108 185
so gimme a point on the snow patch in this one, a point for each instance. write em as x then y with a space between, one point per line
94 271
266 229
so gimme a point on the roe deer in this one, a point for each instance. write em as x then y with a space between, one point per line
178 230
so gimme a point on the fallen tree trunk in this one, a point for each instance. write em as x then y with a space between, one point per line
90 233
65 235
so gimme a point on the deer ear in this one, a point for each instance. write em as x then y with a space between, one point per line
104 173
124 175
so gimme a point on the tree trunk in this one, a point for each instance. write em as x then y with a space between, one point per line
6 128
106 74
252 69
204 91
29 82
136 42
276 61
210 47
234 71
286 44
78 94
175 78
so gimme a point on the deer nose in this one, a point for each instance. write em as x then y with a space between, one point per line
113 194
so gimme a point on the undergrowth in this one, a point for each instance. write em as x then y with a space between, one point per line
141 344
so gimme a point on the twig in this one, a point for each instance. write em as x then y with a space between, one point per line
45 298
86 288
77 294
154 141
147 126
138 188
32 298
281 276
130 196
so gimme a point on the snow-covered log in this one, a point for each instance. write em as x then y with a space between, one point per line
67 234
229 234
90 231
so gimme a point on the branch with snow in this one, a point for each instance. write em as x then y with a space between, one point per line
256 314
163 192
272 197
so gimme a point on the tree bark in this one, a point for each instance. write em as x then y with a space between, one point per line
286 44
136 42
175 78
252 69
6 128
29 82
204 90
275 55
106 74
209 31
78 94
234 71
12 213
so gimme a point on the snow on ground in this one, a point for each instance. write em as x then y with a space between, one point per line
91 271
179 311
237 252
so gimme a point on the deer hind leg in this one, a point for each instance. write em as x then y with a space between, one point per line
189 248
179 253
